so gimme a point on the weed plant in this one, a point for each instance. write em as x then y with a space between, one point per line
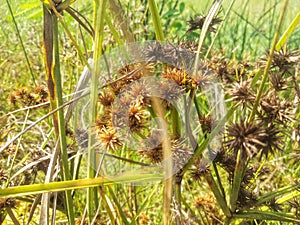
200 126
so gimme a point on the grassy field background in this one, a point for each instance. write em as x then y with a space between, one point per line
255 176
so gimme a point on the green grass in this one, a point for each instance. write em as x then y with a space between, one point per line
254 181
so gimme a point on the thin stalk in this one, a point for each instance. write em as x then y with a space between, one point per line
179 175
218 179
209 137
160 112
61 120
175 123
16 152
21 42
274 216
12 216
288 32
237 179
219 28
108 206
144 205
120 212
178 196
60 19
265 74
117 10
82 21
114 32
212 11
99 15
217 193
64 5
156 20
187 119
167 159
143 175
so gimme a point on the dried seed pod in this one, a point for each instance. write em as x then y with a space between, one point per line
198 22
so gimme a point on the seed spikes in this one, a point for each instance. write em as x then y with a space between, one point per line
197 23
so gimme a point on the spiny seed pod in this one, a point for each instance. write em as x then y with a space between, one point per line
152 150
247 137
284 60
137 116
198 22
273 141
278 81
29 97
179 76
106 97
242 93
104 120
169 93
201 168
109 138
273 108
246 197
170 54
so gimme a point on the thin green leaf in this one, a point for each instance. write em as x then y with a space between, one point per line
143 175
288 32
259 215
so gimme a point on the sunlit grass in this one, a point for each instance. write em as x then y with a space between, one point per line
264 186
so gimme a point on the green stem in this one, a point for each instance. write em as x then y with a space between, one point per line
212 11
237 179
178 195
288 32
265 75
175 123
61 120
219 28
99 15
21 41
160 112
156 20
143 175
217 193
209 137
218 179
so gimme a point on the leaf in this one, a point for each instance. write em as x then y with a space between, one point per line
259 215
143 175
288 32
30 11
171 13
181 7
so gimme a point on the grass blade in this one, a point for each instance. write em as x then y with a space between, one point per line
99 15
288 32
265 74
61 121
210 15
156 20
259 215
144 175
21 42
